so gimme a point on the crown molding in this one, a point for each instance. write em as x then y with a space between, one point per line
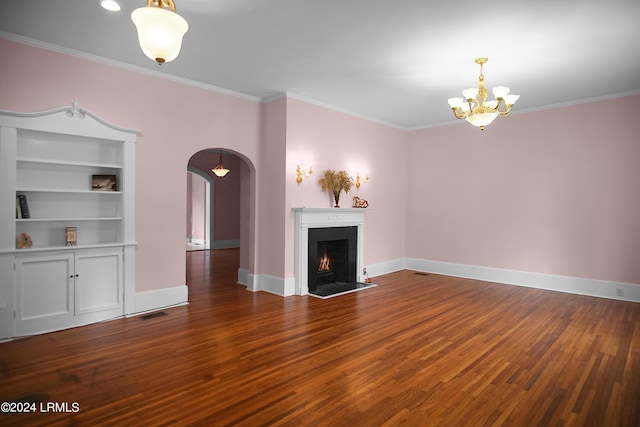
540 108
95 58
265 100
312 101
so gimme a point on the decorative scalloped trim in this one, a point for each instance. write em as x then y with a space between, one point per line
72 111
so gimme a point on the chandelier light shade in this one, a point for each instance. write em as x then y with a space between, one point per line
475 108
160 30
220 170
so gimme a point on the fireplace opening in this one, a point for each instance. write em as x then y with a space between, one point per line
332 258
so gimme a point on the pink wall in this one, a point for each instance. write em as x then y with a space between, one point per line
555 191
551 192
176 121
333 140
271 212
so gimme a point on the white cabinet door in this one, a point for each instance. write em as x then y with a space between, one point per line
67 289
98 282
44 293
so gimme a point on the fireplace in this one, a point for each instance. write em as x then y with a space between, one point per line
332 256
337 225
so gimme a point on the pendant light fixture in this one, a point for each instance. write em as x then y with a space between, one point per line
160 30
475 108
220 170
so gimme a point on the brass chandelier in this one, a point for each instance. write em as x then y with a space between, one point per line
475 108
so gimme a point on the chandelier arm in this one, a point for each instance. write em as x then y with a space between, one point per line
471 101
505 112
458 113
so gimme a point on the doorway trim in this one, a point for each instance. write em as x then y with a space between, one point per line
209 200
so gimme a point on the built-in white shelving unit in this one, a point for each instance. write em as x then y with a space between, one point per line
53 160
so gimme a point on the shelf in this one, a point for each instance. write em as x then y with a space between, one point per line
63 190
26 220
66 163
67 248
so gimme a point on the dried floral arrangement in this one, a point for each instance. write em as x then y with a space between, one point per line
336 182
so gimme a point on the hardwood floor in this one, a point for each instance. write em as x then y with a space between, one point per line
417 350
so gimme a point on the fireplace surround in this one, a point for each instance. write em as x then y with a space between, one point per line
344 220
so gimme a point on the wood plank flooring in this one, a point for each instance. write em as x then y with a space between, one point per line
417 350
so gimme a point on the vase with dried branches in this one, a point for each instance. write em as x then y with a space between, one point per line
336 182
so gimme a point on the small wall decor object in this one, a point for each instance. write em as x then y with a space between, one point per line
336 182
71 236
302 174
24 241
360 203
103 183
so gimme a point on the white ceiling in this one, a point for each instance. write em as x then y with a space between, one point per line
393 61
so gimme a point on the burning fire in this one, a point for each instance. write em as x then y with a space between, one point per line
324 262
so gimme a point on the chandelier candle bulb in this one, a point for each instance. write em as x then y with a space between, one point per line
477 110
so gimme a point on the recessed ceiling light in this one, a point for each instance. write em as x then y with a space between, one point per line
110 5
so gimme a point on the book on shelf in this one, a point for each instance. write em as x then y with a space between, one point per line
23 206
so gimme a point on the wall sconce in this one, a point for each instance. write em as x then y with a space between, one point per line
360 181
302 174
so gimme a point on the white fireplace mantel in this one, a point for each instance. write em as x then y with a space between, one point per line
306 218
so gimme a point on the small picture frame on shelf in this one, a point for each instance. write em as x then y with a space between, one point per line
103 183
71 236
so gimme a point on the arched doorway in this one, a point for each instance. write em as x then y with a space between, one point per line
228 204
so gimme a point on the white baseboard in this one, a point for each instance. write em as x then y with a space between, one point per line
273 285
243 277
572 285
225 244
159 299
196 241
386 267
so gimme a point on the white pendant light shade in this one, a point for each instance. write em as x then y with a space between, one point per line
455 102
220 170
470 93
511 99
481 120
160 32
500 91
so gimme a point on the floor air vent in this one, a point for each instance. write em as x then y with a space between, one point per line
420 273
153 315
